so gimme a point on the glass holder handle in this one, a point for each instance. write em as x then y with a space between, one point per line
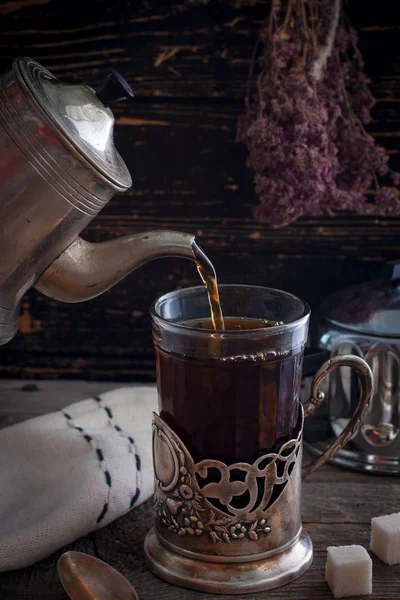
367 387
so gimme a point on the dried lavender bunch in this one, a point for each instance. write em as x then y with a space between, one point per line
304 126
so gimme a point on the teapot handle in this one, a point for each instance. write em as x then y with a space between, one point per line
367 386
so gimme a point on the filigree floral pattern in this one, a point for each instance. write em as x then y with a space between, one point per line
189 502
190 518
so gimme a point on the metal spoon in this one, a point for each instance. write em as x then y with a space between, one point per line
85 577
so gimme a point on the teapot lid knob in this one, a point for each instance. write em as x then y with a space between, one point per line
114 89
391 270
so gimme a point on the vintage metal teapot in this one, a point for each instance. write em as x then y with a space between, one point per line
58 169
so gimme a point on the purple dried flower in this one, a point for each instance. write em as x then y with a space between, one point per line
305 126
395 177
387 202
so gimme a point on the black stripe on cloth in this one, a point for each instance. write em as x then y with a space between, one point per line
100 456
135 497
102 514
108 478
110 415
138 462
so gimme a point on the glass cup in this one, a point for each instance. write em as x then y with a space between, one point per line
227 442
230 395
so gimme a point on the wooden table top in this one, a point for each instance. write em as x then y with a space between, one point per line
337 509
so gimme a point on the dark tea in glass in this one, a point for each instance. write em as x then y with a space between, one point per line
233 394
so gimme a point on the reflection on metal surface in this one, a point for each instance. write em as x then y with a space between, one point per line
229 578
85 577
353 425
59 169
376 447
243 519
353 459
210 503
382 427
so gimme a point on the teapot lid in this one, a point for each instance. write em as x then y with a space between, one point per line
82 115
370 308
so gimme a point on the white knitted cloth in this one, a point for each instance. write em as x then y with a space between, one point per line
67 473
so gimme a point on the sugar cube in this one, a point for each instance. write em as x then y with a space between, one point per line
385 538
348 571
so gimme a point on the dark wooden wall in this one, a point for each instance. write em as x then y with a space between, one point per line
188 63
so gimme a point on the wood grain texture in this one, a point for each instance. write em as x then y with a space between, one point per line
188 63
197 49
337 508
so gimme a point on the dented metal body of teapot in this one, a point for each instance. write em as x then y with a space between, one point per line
58 168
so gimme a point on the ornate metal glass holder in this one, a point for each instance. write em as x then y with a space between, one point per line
203 539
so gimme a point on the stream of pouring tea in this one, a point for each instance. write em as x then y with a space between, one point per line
209 278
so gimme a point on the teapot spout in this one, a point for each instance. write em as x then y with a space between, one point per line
86 270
